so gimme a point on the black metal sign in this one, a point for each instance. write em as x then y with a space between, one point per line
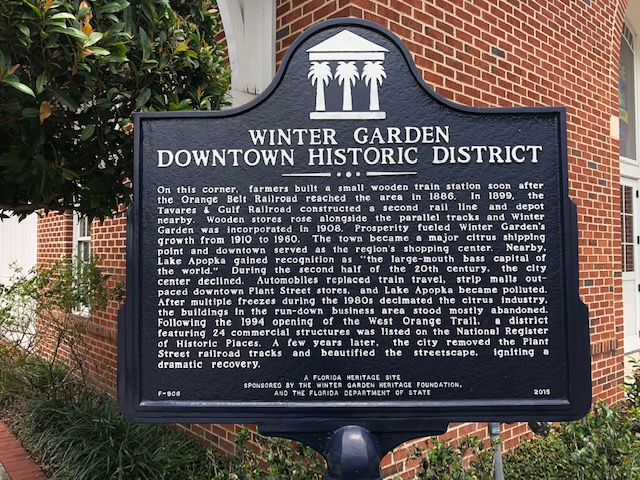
352 246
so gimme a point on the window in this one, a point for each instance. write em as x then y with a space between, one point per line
626 95
82 235
82 238
81 249
626 206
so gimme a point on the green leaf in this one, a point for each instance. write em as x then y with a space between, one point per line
34 8
30 112
122 50
112 93
113 7
15 83
103 103
87 132
94 38
83 12
145 44
147 11
24 29
41 81
71 31
117 59
116 27
62 15
65 99
150 65
143 98
100 51
86 96
68 174
182 105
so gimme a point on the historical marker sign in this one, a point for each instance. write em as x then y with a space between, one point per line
351 245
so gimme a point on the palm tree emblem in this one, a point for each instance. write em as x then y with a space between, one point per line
348 63
373 74
347 74
320 75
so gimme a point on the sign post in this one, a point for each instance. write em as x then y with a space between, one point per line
352 250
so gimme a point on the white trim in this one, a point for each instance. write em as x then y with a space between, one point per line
346 56
631 279
347 115
630 177
233 25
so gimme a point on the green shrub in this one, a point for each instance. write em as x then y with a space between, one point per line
602 446
91 440
288 460
40 312
23 380
631 387
278 459
444 460
87 438
77 433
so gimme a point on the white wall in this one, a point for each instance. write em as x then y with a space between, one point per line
17 245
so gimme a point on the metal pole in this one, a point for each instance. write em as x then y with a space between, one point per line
352 454
494 432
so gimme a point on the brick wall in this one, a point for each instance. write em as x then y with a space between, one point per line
55 238
477 53
108 242
55 241
524 53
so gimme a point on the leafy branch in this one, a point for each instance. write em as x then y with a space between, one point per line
46 312
73 72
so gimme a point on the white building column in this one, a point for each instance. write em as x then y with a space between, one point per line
250 30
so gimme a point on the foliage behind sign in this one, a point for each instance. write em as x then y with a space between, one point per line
71 75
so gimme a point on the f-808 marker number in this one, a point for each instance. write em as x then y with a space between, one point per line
169 393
